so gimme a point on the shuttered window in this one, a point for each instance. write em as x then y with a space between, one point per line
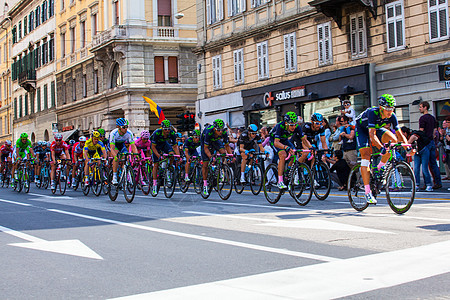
263 60
238 57
438 20
217 71
358 35
236 7
214 11
290 53
173 69
159 69
395 26
324 44
256 3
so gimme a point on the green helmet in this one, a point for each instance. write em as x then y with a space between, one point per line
196 132
290 117
101 131
386 100
165 124
24 136
218 124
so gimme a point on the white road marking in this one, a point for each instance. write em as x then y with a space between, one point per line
203 238
70 247
51 197
304 224
14 202
325 280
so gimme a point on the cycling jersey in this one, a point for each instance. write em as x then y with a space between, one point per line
311 134
214 143
371 118
143 145
106 144
6 150
191 146
281 132
58 149
77 152
244 139
92 148
158 138
22 147
119 140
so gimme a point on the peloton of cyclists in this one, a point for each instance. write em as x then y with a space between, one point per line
247 142
190 149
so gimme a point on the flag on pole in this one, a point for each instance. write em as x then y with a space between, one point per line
155 109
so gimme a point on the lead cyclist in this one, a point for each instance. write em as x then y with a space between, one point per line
370 130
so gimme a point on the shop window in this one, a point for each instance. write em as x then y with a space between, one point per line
290 53
256 3
358 35
164 13
325 44
159 69
217 72
238 57
263 60
173 69
438 20
236 7
442 110
395 25
214 11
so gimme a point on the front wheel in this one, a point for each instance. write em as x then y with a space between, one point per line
129 184
400 188
255 179
355 189
113 190
224 182
322 181
270 184
197 178
169 181
301 184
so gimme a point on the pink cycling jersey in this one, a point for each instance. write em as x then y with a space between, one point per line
141 145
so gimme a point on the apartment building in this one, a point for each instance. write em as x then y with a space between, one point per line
5 80
262 58
116 51
33 68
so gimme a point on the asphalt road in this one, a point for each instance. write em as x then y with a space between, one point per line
78 247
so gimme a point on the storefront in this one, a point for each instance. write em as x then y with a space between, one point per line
322 93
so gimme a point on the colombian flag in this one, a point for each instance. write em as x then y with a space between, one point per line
155 109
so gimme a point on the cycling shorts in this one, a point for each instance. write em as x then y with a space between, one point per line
362 136
213 147
162 148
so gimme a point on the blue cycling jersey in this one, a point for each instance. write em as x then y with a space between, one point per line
371 118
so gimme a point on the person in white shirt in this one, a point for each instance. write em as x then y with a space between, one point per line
349 112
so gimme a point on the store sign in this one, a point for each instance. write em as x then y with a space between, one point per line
67 128
295 92
444 72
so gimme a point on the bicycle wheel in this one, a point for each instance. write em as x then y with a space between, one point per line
146 180
85 188
105 183
113 190
56 181
323 180
225 182
197 178
355 188
97 182
400 187
300 184
184 185
238 186
270 184
129 184
26 182
169 181
62 185
46 178
255 179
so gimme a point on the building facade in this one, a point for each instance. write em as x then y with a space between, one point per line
114 52
33 68
6 112
260 59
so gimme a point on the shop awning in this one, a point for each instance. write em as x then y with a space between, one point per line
67 134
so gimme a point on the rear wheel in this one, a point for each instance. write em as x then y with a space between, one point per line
169 181
270 184
356 191
323 180
301 184
146 177
129 184
97 182
26 182
197 178
62 181
400 188
224 182
113 190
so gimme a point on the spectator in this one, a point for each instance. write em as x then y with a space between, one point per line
326 125
348 111
334 138
347 136
445 141
424 145
427 124
340 170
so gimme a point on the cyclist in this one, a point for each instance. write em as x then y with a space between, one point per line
280 143
59 150
21 151
93 148
190 149
143 144
247 142
164 140
77 153
104 140
6 157
40 155
118 138
71 144
371 130
314 128
214 138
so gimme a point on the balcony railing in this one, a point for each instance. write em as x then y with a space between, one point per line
166 32
116 32
27 79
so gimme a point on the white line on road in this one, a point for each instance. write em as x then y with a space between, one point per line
323 281
203 238
14 202
51 197
21 235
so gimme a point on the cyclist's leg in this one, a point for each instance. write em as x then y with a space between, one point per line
385 136
362 141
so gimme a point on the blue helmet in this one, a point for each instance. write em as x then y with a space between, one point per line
316 117
252 128
121 122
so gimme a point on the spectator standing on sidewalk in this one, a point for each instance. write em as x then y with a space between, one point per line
334 137
424 146
340 170
427 124
347 136
445 141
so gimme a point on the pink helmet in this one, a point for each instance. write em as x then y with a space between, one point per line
145 134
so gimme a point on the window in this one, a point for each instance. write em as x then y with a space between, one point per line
20 30
324 44
31 21
38 98
214 11
290 53
25 25
395 28
116 13
14 35
53 94
64 90
263 60
0 91
84 83
164 13
83 34
45 91
32 103
15 108
5 89
51 48
173 69
63 45
217 71
95 81
1 126
438 20
236 7
74 89
238 58
256 3
44 52
20 107
37 16
44 11
72 40
358 35
26 104
94 25
63 4
116 77
5 55
51 8
37 56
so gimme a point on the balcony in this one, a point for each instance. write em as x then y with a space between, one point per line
27 80
107 36
166 32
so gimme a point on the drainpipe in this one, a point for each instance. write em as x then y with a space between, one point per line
372 85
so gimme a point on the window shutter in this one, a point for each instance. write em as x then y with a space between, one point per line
286 53
293 52
236 67
173 69
361 35
327 42
241 66
159 69
259 53
208 12
320 45
220 4
353 35
265 60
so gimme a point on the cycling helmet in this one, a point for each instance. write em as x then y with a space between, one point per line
218 124
49 144
165 124
290 117
8 142
95 134
58 136
252 128
102 131
387 100
145 134
316 117
82 139
121 122
24 136
196 133
71 142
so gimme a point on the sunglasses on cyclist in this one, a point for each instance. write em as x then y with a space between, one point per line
346 104
166 129
318 123
389 108
292 124
124 127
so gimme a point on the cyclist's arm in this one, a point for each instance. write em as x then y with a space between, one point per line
31 152
228 149
155 151
278 144
133 147
401 137
305 142
176 149
412 138
374 139
241 147
207 152
53 155
186 153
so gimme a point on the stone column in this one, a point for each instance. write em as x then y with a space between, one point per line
138 118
